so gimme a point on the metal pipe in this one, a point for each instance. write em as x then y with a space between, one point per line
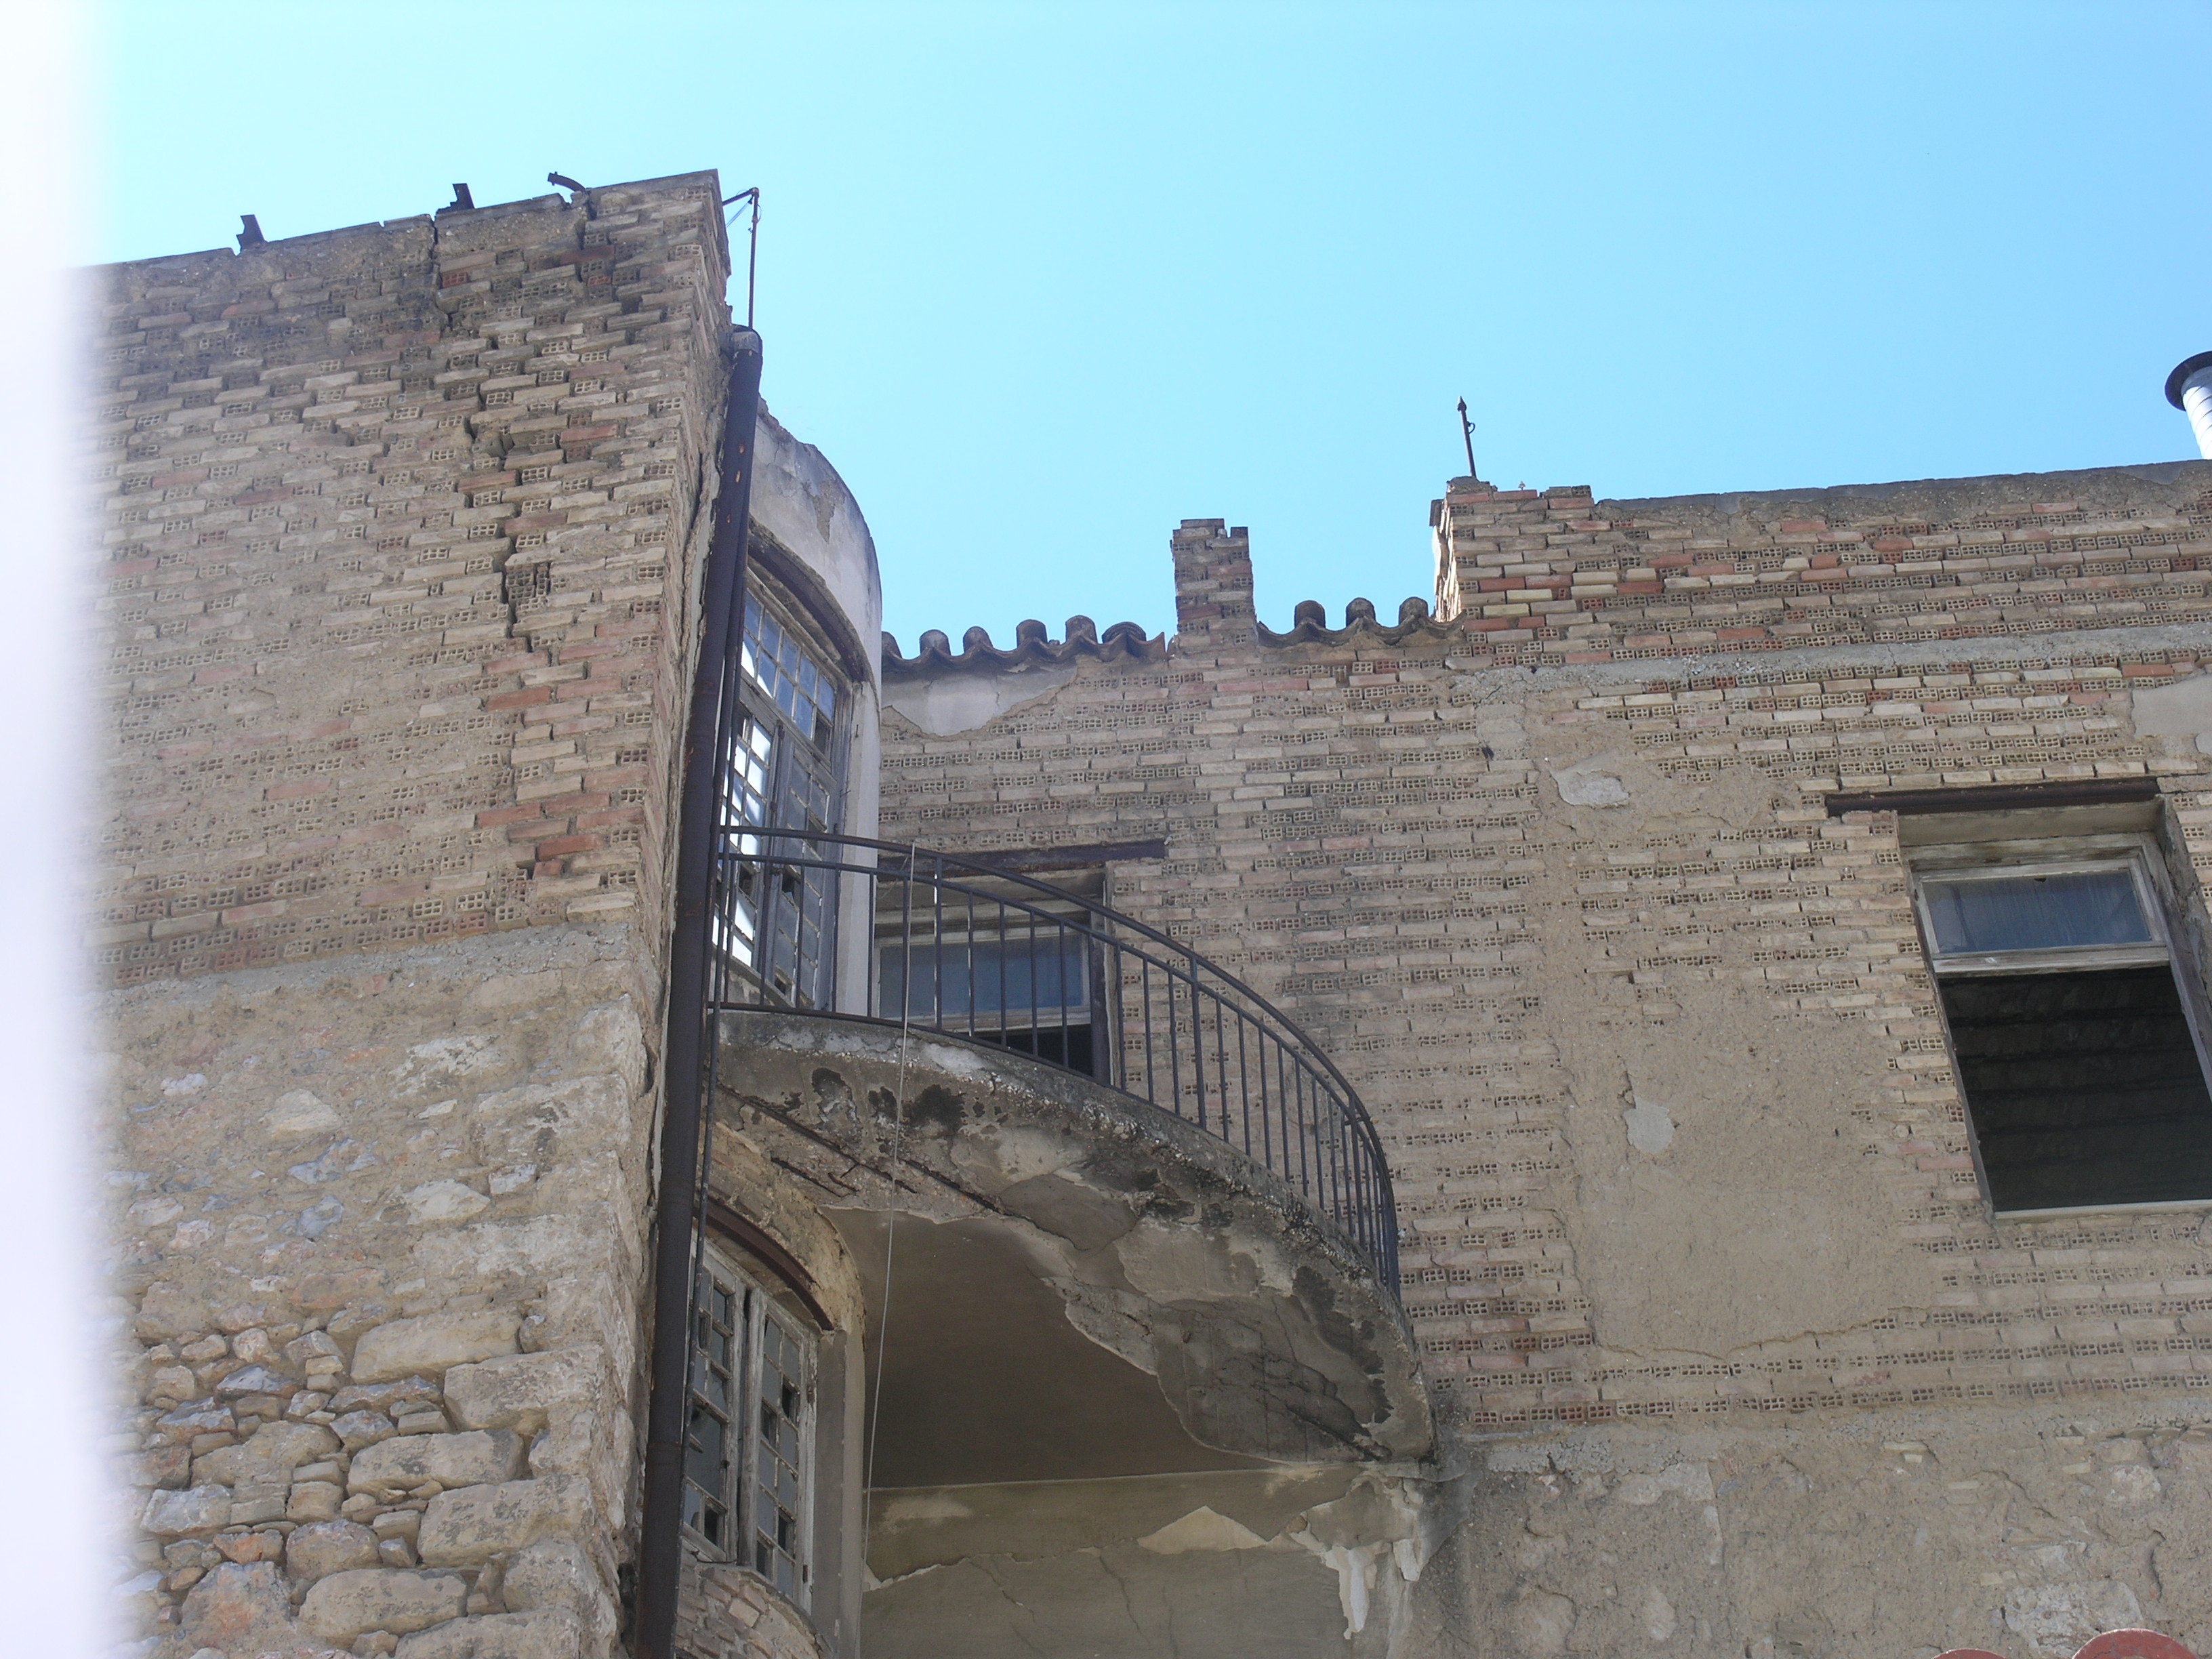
660 1554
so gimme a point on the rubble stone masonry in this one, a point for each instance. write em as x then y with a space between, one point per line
1732 1351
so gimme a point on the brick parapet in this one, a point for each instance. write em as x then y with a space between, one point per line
399 525
1555 577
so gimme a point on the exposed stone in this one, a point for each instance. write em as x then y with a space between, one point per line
163 1466
346 1604
328 1546
466 1527
434 1342
555 1572
361 1429
198 1511
443 1200
385 1396
304 1351
138 1598
250 1506
451 1460
516 1392
543 1633
248 1547
240 1607
314 1500
168 1310
272 1455
298 1114
200 1417
2053 1620
255 1379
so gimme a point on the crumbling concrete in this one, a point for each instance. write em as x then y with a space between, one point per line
1266 1333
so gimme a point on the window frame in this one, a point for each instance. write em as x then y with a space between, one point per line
761 787
741 1486
2137 852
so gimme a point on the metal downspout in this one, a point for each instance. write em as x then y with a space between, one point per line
660 1574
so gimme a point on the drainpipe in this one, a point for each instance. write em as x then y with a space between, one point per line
2189 389
659 1552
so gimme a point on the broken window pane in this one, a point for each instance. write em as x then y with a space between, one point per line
743 1346
2070 910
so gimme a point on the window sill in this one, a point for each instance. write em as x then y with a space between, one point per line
2075 1211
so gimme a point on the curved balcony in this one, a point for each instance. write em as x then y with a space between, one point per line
962 949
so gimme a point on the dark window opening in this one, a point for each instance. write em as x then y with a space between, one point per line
2084 1088
1019 971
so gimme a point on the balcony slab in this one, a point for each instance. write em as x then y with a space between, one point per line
1080 1286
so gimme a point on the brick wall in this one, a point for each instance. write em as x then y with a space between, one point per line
1552 576
1367 823
397 529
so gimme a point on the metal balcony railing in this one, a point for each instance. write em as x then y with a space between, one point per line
966 950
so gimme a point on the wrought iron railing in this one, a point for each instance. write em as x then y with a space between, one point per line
965 949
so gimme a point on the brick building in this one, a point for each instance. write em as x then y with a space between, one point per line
1653 1102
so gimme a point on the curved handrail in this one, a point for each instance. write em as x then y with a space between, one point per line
966 948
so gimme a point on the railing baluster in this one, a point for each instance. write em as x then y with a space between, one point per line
1197 1053
1244 1083
1175 1045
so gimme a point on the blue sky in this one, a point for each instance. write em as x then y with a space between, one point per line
1042 280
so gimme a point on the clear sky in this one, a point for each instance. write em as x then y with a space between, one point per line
1043 279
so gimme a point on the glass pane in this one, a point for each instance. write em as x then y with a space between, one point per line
2035 913
989 976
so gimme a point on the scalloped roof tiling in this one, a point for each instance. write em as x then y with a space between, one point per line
1310 624
934 654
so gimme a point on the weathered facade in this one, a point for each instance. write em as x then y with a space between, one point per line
1748 1287
1568 873
403 527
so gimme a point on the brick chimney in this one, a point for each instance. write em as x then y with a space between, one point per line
1213 586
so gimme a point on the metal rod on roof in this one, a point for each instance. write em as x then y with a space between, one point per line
1467 433
753 251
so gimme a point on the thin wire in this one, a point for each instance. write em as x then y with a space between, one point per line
891 1241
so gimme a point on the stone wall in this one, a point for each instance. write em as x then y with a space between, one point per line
1549 872
383 1222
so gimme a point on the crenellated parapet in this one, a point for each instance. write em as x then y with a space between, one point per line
1555 578
1031 648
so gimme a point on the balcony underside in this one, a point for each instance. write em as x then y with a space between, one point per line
1080 1286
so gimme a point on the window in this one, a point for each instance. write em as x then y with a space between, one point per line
995 961
2071 1020
774 921
748 1464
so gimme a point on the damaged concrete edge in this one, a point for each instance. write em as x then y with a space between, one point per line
1306 1293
